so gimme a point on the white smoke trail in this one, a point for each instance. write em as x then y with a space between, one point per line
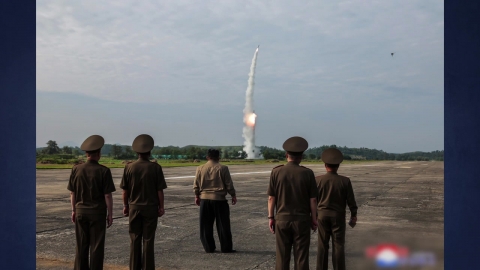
249 128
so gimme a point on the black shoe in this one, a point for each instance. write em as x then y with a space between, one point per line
213 251
230 251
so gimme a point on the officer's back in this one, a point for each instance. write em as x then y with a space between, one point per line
292 183
143 185
334 191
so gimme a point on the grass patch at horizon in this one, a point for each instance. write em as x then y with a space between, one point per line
115 163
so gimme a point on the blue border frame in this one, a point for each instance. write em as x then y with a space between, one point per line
17 136
462 134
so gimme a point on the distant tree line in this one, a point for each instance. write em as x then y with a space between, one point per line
363 153
236 152
125 152
53 149
113 150
356 154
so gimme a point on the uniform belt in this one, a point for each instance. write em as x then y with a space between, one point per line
144 207
292 217
91 211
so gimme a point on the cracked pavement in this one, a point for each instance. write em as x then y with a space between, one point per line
399 202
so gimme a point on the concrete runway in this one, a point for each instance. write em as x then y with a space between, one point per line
399 202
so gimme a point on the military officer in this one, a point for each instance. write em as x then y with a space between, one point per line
292 192
211 185
143 184
91 186
334 193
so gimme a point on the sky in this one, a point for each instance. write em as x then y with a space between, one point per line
178 70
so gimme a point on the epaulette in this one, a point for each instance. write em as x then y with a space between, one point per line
77 163
305 167
279 166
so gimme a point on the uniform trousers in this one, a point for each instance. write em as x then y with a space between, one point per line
219 212
331 226
296 234
142 227
90 237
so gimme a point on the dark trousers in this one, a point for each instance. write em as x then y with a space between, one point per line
90 236
296 234
142 227
334 227
215 211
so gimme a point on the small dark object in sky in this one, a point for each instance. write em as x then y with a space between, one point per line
392 54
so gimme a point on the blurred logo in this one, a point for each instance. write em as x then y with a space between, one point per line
387 255
392 256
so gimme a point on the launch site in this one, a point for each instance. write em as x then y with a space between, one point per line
360 78
400 204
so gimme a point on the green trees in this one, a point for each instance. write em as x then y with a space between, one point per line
76 151
121 152
116 151
128 152
272 153
363 153
236 152
225 154
67 150
52 148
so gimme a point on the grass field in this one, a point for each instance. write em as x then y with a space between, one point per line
114 163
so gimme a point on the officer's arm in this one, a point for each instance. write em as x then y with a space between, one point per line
125 196
161 206
196 183
271 206
72 200
227 181
313 208
109 202
352 204
271 210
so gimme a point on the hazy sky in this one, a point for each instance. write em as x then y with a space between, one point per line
178 70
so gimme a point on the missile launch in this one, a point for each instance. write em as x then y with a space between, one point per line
249 114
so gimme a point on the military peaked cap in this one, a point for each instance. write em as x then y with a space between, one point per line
295 145
332 156
93 143
142 144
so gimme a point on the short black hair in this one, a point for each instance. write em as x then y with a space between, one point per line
93 152
145 154
332 165
295 154
213 153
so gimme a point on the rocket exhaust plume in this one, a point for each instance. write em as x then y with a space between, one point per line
249 115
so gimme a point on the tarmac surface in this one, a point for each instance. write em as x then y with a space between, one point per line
400 203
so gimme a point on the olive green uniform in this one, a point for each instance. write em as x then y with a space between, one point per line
143 179
90 182
292 186
334 193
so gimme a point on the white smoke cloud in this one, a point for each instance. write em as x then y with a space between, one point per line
249 128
